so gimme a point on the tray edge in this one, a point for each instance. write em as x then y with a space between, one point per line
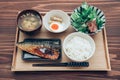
15 50
106 50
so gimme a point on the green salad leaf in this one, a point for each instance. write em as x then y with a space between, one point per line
99 23
85 6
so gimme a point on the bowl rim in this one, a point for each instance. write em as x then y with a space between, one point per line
57 10
97 15
90 40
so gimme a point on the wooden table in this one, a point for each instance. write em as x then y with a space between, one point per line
8 14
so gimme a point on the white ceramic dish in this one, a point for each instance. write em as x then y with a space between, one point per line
65 23
84 36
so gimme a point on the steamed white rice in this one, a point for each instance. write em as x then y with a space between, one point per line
78 48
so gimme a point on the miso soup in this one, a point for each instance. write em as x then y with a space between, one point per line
29 22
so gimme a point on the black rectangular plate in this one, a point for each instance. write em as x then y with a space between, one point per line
29 57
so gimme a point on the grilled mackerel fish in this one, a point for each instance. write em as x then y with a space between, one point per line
39 50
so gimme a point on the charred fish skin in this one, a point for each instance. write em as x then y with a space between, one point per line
40 49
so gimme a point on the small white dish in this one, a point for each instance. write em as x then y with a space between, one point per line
65 23
77 50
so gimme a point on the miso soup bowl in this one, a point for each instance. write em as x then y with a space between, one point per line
23 14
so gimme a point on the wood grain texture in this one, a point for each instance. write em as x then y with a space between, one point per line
8 13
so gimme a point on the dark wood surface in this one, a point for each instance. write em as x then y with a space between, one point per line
8 13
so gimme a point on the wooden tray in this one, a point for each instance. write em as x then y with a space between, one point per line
99 62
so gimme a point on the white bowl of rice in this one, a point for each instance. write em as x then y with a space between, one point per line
79 46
